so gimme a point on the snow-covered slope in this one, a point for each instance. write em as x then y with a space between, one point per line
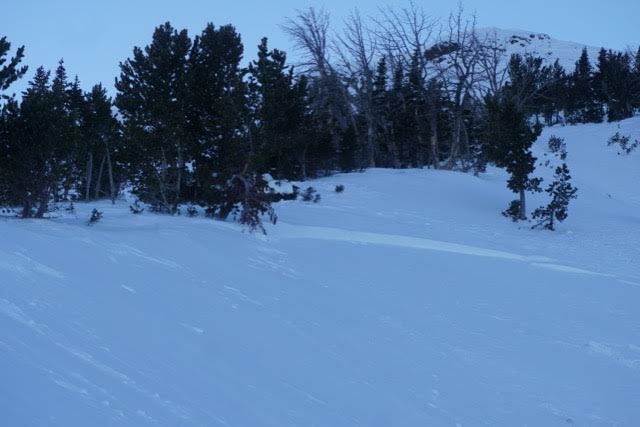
407 300
539 44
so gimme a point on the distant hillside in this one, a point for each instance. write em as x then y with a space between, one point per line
540 44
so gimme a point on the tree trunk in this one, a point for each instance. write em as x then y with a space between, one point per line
112 187
176 202
99 181
435 157
89 176
27 207
455 140
371 143
523 206
303 162
43 199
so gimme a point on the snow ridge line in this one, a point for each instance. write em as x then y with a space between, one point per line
336 234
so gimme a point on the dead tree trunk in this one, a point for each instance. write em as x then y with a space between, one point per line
89 176
99 181
112 187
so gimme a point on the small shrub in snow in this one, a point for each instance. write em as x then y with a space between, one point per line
558 147
513 211
292 195
192 211
311 195
255 201
339 188
248 198
135 208
624 143
96 216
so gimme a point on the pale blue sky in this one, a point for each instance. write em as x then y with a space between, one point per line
93 36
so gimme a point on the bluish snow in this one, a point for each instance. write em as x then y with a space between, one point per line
407 300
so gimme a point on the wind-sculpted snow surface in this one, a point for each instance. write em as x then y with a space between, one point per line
406 300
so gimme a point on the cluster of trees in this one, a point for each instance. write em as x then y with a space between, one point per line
52 143
190 125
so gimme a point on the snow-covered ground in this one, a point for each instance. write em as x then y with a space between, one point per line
407 300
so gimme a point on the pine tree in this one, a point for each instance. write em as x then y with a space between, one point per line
152 98
278 107
583 106
387 151
561 192
636 80
219 113
12 71
100 145
36 157
614 84
509 138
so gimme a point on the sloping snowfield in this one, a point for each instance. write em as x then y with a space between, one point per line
407 300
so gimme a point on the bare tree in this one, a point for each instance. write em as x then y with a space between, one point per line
458 68
309 31
356 48
403 32
404 35
493 66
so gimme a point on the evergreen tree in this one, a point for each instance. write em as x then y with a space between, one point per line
219 113
636 80
100 146
152 98
583 106
387 152
509 138
278 109
12 71
614 84
561 192
37 155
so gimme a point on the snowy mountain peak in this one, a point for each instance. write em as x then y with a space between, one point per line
539 44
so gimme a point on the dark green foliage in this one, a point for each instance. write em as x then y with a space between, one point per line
509 138
558 147
339 188
192 211
513 211
624 143
10 71
614 84
249 198
553 95
136 208
98 169
279 109
635 85
39 140
96 216
529 78
583 105
152 98
311 195
561 192
219 145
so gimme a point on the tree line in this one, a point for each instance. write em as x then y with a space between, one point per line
190 125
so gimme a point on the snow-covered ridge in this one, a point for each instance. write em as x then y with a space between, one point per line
539 44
